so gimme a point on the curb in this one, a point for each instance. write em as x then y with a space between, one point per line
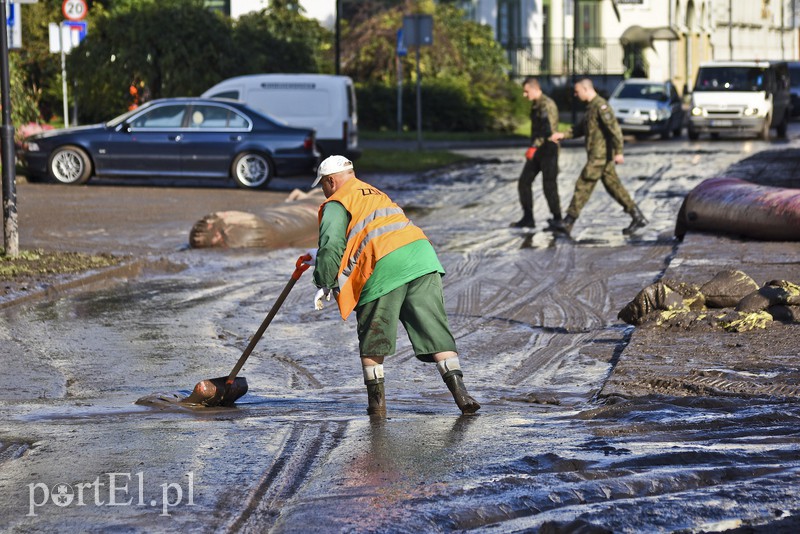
125 270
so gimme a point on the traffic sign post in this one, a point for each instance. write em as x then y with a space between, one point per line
64 37
401 51
418 32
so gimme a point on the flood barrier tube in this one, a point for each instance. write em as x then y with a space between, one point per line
293 224
734 206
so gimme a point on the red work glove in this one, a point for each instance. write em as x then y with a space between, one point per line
530 152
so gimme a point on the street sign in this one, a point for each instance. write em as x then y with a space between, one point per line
417 30
401 46
74 10
14 22
66 36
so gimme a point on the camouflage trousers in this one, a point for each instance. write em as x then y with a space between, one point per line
594 171
547 164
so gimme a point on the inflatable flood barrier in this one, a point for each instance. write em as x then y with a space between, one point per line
734 206
293 224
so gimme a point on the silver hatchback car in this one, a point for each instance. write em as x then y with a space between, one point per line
644 107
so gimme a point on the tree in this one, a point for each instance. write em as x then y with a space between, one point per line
164 47
281 39
465 67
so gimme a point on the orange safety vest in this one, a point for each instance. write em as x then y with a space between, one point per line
377 227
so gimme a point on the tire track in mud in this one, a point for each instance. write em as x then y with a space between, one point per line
304 447
575 485
12 450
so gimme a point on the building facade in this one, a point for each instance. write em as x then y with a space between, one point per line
656 39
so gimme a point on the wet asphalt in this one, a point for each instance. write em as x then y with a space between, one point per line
562 439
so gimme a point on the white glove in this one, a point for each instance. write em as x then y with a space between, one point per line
313 253
322 293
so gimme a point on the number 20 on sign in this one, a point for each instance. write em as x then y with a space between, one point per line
74 9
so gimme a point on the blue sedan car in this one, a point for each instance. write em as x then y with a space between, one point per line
192 137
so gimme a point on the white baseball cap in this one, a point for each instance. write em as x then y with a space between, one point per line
332 165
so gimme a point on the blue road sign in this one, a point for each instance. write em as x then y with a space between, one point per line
401 46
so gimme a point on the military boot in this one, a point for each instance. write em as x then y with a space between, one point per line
375 398
565 225
552 224
455 383
526 221
638 222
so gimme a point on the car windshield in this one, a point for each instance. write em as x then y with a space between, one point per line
641 90
730 79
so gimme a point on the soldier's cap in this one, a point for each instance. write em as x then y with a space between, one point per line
332 165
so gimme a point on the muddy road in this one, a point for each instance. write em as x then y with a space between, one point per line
585 420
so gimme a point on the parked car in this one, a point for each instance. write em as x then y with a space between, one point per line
198 137
741 97
646 107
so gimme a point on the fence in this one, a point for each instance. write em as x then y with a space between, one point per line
553 57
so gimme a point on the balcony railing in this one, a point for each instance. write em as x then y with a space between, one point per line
553 57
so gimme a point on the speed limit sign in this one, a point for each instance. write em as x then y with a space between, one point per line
74 9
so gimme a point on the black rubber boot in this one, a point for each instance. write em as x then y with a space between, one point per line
638 222
375 398
565 225
526 221
554 223
455 383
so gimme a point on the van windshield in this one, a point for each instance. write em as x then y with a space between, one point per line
731 79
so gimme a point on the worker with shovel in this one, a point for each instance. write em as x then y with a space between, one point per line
376 262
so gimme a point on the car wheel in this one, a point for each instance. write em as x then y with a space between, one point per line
692 133
251 170
69 165
677 131
665 132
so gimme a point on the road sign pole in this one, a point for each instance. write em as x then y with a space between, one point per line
63 74
9 157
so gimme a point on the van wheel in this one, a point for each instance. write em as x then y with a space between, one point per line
764 133
70 165
251 170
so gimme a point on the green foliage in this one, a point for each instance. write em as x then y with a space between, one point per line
464 73
24 100
165 47
281 39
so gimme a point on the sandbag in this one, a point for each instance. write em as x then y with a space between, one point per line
727 288
733 206
292 224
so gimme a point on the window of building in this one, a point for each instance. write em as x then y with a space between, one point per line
589 14
508 22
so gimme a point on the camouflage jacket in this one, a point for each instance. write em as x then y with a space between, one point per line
600 126
544 120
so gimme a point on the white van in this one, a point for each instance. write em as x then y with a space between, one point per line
324 102
740 96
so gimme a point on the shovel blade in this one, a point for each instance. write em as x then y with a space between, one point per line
212 392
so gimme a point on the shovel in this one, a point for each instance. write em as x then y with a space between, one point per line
225 390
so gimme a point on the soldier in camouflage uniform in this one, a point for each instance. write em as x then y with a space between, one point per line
604 152
541 156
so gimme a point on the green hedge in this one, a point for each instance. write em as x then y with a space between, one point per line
446 106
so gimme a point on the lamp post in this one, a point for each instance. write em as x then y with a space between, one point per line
338 35
10 234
